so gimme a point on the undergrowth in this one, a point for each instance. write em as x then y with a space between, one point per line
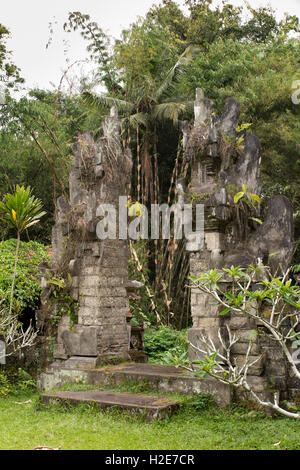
163 342
15 382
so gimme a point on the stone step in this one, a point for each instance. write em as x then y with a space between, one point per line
153 407
161 378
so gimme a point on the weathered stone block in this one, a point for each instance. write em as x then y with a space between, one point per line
81 343
116 292
75 282
116 302
89 292
90 281
242 348
248 335
63 325
207 323
205 306
214 241
255 369
194 339
59 351
238 323
276 367
92 302
89 271
257 384
74 293
115 281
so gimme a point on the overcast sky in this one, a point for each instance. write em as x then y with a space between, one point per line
28 22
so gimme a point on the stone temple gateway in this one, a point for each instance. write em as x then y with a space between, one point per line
223 159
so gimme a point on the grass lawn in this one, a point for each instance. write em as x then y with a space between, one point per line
25 426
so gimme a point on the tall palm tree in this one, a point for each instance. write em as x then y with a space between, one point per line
142 110
153 103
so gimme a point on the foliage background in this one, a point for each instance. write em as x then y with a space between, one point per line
253 57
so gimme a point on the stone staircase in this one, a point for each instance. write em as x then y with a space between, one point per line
159 378
150 406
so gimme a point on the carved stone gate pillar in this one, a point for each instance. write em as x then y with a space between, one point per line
95 268
223 158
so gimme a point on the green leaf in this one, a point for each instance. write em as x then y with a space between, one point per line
256 220
238 196
252 335
255 198
225 311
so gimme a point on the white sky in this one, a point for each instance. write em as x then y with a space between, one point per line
28 22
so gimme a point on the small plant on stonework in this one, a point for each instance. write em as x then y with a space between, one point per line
70 307
65 305
241 140
249 198
58 282
198 198
247 204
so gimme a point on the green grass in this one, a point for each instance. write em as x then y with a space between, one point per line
25 426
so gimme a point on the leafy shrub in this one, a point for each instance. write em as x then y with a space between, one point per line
165 341
5 386
25 382
200 402
14 381
27 289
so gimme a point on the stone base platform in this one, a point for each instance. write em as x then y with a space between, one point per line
152 407
162 378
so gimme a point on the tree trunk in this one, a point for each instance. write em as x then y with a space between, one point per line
14 275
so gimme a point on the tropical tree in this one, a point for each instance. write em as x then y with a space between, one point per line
155 105
273 307
143 109
9 73
21 211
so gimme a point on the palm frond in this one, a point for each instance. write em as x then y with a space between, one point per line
98 101
176 72
21 210
137 119
172 110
